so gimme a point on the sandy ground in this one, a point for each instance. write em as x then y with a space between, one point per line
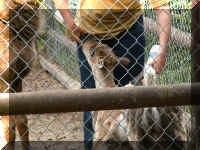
50 127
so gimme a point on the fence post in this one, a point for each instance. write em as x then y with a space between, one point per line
195 47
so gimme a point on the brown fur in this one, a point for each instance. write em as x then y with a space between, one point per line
16 57
140 124
102 61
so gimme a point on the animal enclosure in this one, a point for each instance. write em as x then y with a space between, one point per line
56 67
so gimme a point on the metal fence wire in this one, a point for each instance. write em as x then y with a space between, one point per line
36 55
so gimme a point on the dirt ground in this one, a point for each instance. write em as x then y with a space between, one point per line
50 127
55 127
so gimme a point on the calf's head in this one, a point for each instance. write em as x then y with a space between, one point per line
102 55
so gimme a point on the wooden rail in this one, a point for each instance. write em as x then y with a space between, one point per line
56 101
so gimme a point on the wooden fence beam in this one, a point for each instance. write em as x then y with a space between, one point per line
56 101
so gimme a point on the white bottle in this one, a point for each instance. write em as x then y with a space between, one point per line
149 71
153 53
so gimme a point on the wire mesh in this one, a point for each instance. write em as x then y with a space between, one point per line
35 29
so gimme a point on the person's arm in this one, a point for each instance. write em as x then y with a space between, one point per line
63 8
163 16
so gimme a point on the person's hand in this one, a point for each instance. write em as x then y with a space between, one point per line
73 32
159 62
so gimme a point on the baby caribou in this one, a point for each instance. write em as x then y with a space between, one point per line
102 61
159 128
18 26
156 128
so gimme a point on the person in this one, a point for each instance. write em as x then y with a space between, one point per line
120 25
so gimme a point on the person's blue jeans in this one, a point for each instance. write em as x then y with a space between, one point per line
130 43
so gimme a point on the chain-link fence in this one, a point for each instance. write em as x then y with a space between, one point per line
36 55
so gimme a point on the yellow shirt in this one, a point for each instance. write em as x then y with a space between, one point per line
107 18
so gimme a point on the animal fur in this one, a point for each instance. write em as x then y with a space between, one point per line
16 56
156 128
147 125
102 61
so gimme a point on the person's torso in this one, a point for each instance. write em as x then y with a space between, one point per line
110 4
107 18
